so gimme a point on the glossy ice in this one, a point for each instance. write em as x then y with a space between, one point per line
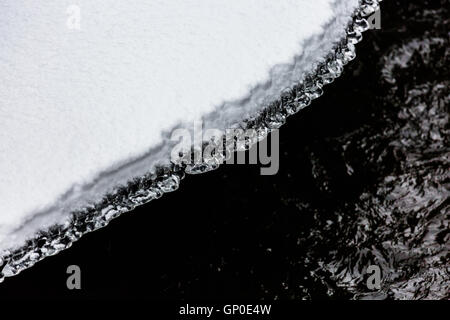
89 93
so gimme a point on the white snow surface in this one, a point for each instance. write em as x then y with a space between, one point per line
83 111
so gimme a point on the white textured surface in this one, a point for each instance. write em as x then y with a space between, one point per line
82 111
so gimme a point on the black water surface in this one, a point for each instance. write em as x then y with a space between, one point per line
364 180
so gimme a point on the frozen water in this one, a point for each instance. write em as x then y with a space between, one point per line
86 107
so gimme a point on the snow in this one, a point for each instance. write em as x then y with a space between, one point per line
85 108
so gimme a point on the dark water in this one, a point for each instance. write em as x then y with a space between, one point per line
364 180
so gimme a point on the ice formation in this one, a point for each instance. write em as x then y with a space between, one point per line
90 90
